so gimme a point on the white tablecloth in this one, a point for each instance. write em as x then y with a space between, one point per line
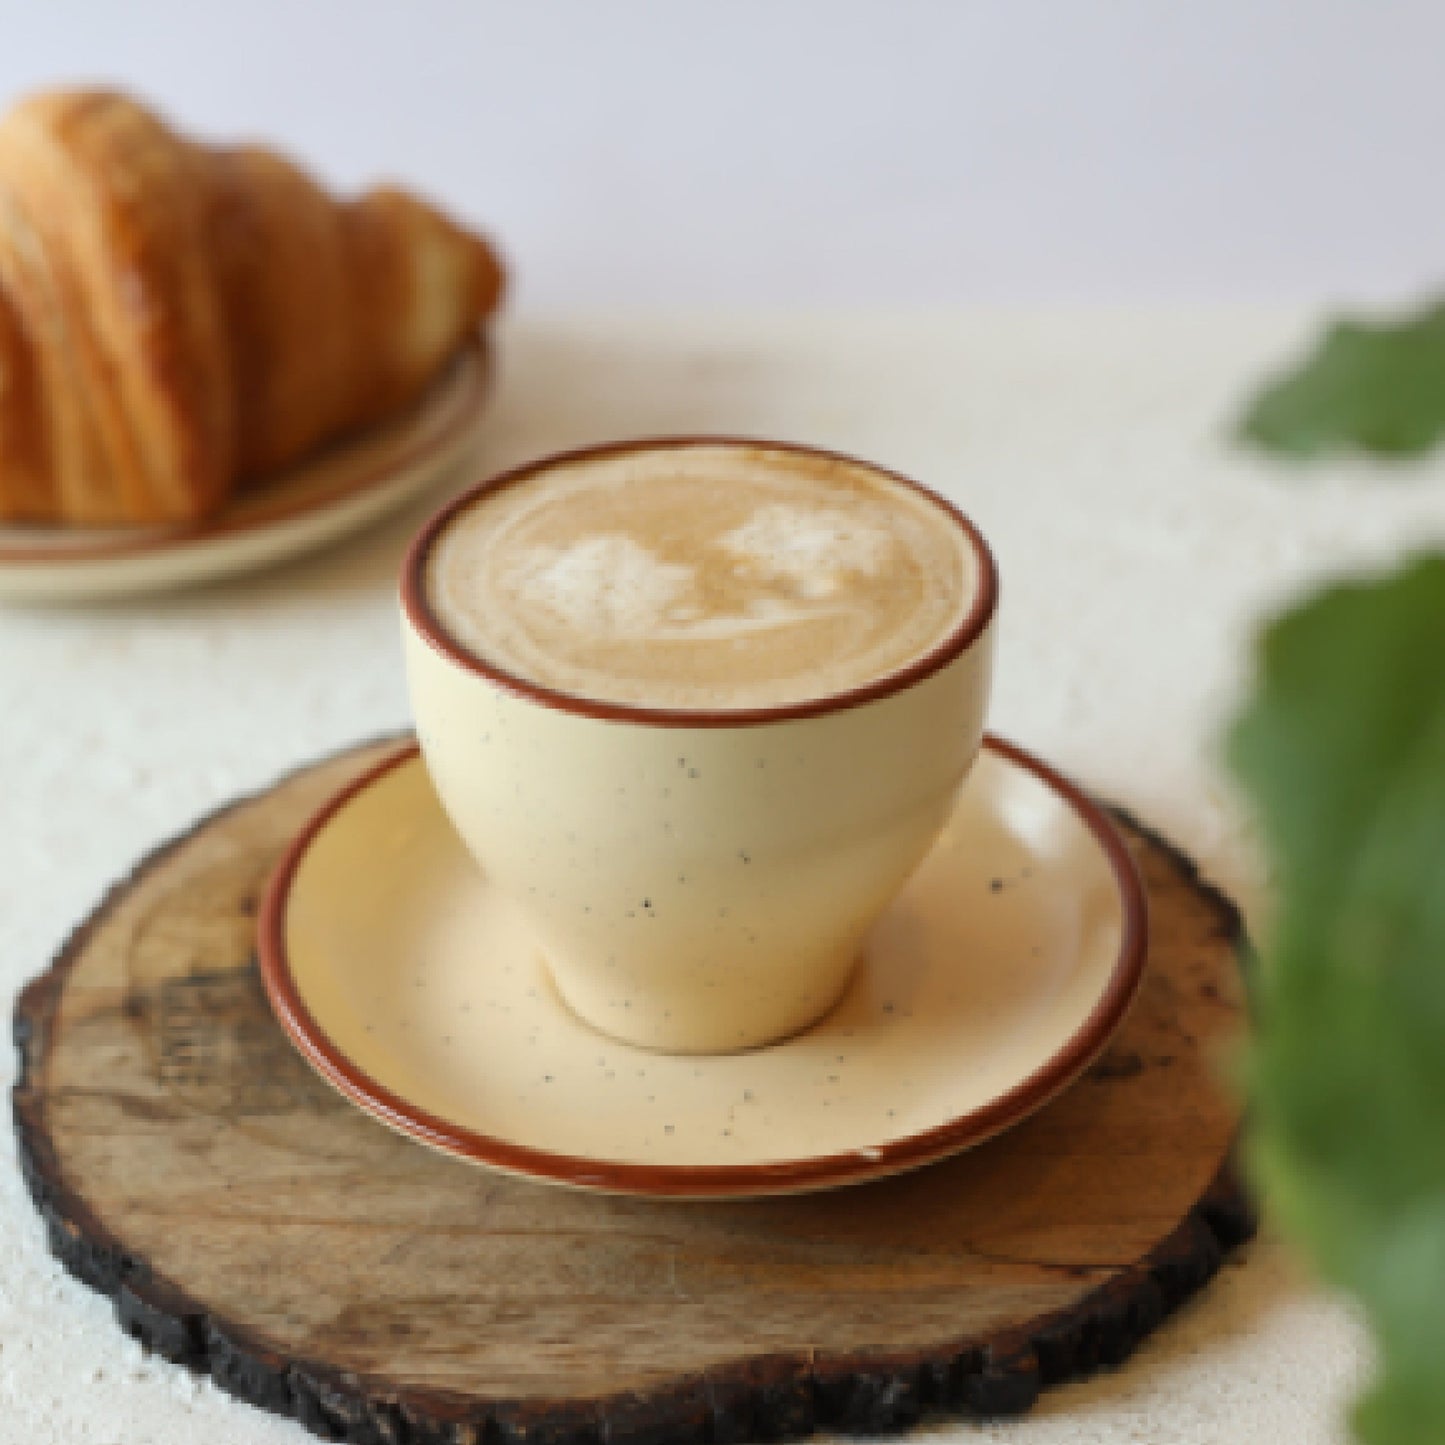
1135 549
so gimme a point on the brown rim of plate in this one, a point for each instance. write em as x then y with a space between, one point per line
477 350
423 619
711 1181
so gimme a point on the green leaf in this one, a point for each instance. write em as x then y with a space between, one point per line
1377 388
1343 752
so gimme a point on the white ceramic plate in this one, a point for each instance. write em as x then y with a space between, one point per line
338 492
996 977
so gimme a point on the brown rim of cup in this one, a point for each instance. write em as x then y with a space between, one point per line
420 614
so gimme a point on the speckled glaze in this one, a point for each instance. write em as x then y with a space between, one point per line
698 882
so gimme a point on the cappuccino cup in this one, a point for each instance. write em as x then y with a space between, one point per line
698 707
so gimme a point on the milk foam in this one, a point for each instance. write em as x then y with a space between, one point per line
702 577
605 584
814 548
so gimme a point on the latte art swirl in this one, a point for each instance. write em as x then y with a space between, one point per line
707 577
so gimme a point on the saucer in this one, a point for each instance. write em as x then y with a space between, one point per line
993 980
345 488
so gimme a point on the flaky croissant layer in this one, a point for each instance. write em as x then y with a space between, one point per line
176 318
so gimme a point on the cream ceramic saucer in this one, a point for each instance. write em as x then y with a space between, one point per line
344 489
995 978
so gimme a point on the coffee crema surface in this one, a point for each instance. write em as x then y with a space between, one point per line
702 577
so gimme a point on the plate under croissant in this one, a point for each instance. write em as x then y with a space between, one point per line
341 490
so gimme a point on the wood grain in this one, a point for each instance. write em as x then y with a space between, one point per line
249 1223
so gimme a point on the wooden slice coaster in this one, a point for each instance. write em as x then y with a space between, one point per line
250 1223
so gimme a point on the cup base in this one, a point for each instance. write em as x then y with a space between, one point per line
709 1030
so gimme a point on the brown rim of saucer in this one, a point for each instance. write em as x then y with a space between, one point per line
711 1181
477 352
423 619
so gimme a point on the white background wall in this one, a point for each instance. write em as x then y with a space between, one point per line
810 152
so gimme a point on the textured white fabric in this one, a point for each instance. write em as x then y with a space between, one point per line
1135 549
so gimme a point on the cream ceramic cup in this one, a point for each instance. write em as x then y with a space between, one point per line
698 882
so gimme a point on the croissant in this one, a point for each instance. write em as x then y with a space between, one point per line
178 318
